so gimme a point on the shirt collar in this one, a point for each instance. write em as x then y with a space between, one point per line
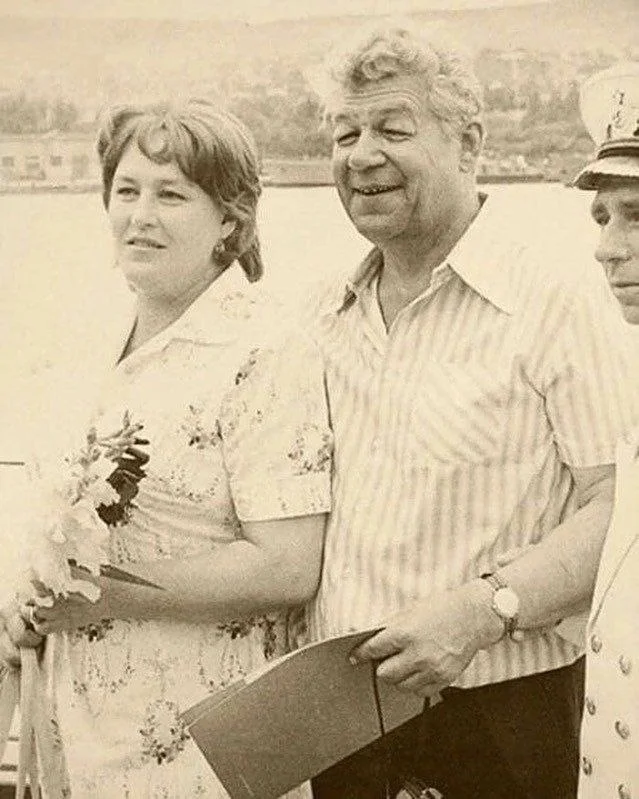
361 279
481 258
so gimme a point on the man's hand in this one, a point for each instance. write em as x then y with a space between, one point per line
427 647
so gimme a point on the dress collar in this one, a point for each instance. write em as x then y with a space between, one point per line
218 316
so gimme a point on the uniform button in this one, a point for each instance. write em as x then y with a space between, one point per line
625 665
596 643
623 730
586 766
624 793
591 707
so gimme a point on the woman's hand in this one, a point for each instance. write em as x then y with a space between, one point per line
15 633
63 614
49 614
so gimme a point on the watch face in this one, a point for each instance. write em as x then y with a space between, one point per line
506 603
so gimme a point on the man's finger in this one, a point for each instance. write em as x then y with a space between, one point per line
401 667
419 684
379 647
396 669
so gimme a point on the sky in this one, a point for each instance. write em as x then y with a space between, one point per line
249 10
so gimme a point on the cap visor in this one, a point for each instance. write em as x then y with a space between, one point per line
613 166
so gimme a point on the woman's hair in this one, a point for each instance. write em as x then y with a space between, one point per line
397 48
211 147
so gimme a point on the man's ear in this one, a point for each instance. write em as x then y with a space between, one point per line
472 140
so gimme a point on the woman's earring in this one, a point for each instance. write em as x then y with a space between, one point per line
219 249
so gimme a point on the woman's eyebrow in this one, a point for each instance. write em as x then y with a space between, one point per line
159 182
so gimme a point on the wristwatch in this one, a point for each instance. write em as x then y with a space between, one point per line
505 604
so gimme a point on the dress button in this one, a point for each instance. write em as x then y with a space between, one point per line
586 766
624 792
625 665
596 643
591 707
623 730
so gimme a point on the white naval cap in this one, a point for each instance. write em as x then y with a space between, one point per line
609 104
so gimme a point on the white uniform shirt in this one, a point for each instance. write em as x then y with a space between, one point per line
610 729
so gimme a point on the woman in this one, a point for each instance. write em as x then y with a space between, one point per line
224 497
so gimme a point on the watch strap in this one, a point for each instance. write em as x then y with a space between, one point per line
493 579
497 583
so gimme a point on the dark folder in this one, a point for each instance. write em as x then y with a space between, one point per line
296 717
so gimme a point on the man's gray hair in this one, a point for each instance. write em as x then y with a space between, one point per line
398 48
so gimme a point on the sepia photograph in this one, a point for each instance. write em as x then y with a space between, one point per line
319 407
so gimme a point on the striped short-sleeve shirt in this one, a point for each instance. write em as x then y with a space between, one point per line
455 429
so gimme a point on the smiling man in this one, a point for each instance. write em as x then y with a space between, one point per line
472 415
610 759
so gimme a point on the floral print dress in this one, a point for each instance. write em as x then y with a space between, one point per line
237 431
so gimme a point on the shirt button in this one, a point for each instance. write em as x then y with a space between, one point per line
591 707
625 665
586 766
624 793
596 643
622 729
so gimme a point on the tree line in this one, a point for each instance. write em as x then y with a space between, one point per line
537 119
20 114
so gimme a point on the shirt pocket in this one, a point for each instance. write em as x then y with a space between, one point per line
459 413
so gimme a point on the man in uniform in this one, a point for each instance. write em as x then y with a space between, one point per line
610 729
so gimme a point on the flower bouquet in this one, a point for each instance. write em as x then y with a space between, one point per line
63 544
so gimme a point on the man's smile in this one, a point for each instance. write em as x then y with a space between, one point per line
374 189
144 242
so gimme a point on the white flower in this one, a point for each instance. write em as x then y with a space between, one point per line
101 469
58 521
87 535
49 566
102 493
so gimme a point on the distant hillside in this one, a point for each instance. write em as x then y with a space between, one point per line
93 61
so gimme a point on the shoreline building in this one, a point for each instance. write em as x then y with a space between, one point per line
52 159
